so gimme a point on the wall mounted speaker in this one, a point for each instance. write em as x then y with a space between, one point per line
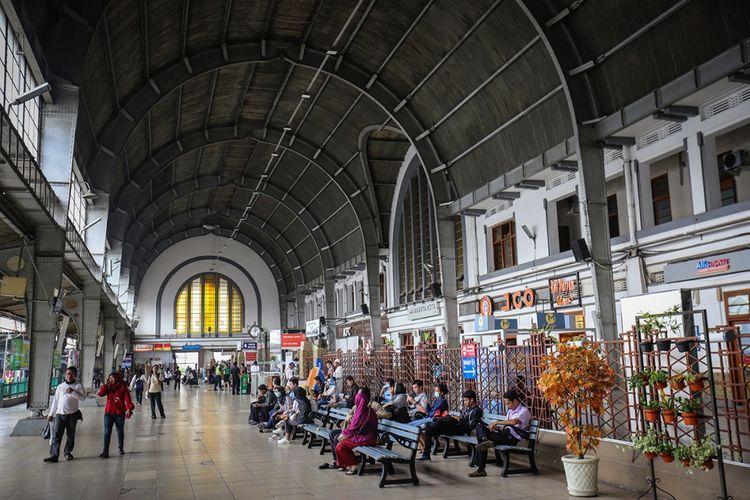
437 292
580 250
365 309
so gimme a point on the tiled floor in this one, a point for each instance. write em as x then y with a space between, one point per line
205 449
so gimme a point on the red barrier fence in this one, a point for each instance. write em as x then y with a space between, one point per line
519 367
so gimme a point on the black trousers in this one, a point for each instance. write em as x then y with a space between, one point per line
155 398
61 425
139 395
503 436
438 427
333 438
235 385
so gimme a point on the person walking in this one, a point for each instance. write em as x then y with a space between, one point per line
138 384
155 384
119 407
167 377
235 372
177 378
65 414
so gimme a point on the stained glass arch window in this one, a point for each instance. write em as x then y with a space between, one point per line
208 304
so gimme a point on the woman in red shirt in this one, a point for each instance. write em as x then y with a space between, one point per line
119 406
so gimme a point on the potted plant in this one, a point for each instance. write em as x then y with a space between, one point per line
669 323
694 381
665 450
704 452
575 381
650 410
683 454
668 413
689 410
638 380
649 326
646 442
677 382
658 378
686 344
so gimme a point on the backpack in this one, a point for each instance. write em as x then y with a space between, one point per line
139 384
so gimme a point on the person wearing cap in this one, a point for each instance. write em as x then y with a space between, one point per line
502 432
451 425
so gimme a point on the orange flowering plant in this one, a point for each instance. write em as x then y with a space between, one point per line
575 380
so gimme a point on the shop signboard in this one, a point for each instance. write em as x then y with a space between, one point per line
486 306
191 347
143 347
251 356
468 350
519 299
551 320
162 347
249 346
469 366
725 263
422 310
312 328
565 291
292 340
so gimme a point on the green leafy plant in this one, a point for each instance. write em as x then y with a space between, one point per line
697 455
650 324
665 446
688 405
657 377
677 382
649 405
693 377
683 454
646 442
667 404
638 380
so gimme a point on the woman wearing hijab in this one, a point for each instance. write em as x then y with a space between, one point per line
362 431
119 406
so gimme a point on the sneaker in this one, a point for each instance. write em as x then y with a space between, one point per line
326 466
424 458
478 473
163 416
283 441
278 431
69 457
121 451
153 417
485 445
274 438
104 454
252 422
51 460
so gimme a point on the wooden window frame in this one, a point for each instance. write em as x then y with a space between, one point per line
658 199
498 228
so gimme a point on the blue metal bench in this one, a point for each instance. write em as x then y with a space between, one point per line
504 451
470 441
315 433
393 432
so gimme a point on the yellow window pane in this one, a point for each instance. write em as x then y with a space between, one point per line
223 306
195 306
181 311
237 310
209 303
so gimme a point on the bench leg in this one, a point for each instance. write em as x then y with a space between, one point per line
323 446
506 464
362 464
305 436
384 473
413 471
532 464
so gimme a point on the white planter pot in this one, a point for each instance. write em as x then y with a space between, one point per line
582 475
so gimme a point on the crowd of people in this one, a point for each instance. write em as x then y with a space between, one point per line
280 408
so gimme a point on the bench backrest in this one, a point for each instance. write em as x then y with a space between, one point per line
487 418
533 432
403 434
337 415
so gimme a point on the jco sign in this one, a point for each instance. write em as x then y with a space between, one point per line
519 299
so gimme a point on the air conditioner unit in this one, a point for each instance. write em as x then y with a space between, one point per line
734 160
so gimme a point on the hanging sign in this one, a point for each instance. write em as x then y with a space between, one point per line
249 346
469 350
486 306
565 291
292 340
191 347
251 356
519 299
143 347
162 347
469 366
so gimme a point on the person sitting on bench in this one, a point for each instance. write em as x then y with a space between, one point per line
438 408
451 425
502 432
361 431
260 407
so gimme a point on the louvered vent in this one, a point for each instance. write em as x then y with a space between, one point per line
725 102
560 180
611 155
621 285
657 277
503 205
656 135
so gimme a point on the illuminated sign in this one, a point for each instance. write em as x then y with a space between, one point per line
486 306
519 299
706 266
143 347
565 291
162 347
292 340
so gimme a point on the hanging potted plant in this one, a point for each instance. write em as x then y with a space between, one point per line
638 380
649 326
704 452
683 454
650 410
646 442
689 410
658 378
694 381
677 382
665 450
668 413
576 381
670 324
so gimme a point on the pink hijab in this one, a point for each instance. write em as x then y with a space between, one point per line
364 425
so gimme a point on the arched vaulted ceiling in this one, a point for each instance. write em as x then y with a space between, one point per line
283 122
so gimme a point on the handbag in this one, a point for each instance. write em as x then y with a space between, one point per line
47 432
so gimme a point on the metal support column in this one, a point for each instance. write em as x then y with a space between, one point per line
89 328
108 350
373 294
593 195
447 242
300 309
121 331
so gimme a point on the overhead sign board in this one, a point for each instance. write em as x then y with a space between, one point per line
143 347
565 291
312 328
162 347
191 347
251 356
469 366
249 346
713 265
292 340
422 310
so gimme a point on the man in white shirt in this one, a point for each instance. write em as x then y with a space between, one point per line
338 374
64 412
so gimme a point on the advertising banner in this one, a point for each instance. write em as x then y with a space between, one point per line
292 340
